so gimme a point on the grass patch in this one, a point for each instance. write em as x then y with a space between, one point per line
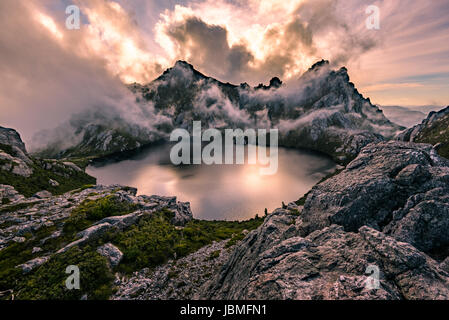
154 240
18 253
86 186
236 238
91 211
214 255
47 282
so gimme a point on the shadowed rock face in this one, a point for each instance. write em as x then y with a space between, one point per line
13 155
399 188
388 208
11 138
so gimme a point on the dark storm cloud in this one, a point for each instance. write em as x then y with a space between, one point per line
208 45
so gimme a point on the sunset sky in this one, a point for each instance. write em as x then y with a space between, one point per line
48 72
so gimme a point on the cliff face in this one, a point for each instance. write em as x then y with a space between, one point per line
389 208
322 111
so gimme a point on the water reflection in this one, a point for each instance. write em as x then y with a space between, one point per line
222 192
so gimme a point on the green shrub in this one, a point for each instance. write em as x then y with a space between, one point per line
47 282
154 240
214 255
91 211
18 253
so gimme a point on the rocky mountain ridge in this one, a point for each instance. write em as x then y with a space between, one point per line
321 111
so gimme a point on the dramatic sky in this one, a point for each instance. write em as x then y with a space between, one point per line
47 72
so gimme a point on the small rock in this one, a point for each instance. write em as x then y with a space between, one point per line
53 183
42 194
19 239
32 264
36 250
112 253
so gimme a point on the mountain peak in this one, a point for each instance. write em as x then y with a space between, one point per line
184 64
319 64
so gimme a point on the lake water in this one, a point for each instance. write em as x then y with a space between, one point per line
218 192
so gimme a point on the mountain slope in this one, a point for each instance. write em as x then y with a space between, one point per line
433 130
321 111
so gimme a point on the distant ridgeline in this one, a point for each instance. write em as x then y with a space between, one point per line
321 111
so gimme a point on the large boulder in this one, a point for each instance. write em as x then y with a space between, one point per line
273 262
396 187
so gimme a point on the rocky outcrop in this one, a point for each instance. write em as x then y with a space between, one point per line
180 279
25 215
432 130
13 155
328 264
181 210
30 175
377 230
9 195
415 132
33 264
399 188
11 143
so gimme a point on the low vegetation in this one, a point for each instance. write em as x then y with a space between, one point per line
91 211
438 133
48 281
40 180
149 243
155 240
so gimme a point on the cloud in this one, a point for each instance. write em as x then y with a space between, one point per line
203 44
244 43
50 73
390 86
